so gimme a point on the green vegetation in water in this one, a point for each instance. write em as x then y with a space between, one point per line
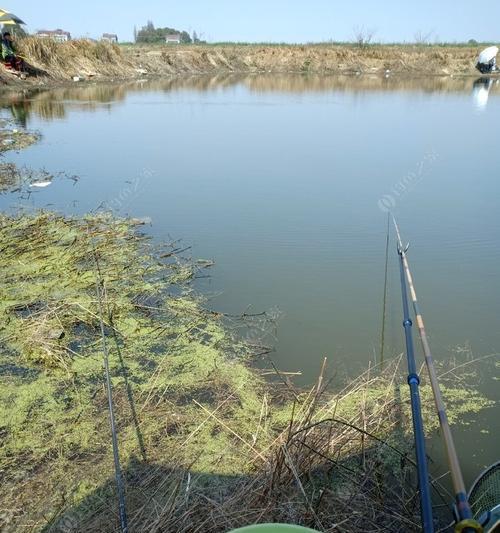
14 178
24 179
13 138
205 442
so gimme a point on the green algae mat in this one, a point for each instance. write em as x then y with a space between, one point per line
205 443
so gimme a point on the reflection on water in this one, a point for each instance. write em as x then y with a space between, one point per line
481 92
54 103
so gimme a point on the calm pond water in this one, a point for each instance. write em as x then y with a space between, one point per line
284 182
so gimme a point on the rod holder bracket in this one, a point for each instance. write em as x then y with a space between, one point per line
402 250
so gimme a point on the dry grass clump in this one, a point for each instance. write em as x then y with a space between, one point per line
330 462
48 51
319 59
75 57
322 470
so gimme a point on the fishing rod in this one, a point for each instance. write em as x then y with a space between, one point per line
416 409
466 523
116 457
384 301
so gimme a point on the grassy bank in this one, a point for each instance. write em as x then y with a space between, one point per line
89 60
206 442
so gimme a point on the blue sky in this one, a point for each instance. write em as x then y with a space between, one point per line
271 20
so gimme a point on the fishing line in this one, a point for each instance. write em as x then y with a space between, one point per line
382 335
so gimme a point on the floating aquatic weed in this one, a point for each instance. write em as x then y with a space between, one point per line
12 137
14 178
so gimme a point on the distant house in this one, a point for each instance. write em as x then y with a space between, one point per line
58 35
174 38
109 38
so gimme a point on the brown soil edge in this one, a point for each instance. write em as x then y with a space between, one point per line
61 64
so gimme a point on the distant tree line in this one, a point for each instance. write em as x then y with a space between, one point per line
150 34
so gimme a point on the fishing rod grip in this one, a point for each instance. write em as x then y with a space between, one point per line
469 525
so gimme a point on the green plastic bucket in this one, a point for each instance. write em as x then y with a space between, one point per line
274 528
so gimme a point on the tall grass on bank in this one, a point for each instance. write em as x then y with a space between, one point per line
65 59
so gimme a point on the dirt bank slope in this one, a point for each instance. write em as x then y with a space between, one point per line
314 58
63 61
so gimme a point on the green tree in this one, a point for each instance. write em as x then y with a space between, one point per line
185 38
152 35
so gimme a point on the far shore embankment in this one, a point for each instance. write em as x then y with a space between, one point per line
81 60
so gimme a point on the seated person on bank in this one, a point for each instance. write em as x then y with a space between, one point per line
9 53
487 62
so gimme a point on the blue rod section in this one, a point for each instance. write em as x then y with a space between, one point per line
416 411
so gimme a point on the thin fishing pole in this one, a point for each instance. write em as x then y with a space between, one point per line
116 456
384 305
416 410
466 523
